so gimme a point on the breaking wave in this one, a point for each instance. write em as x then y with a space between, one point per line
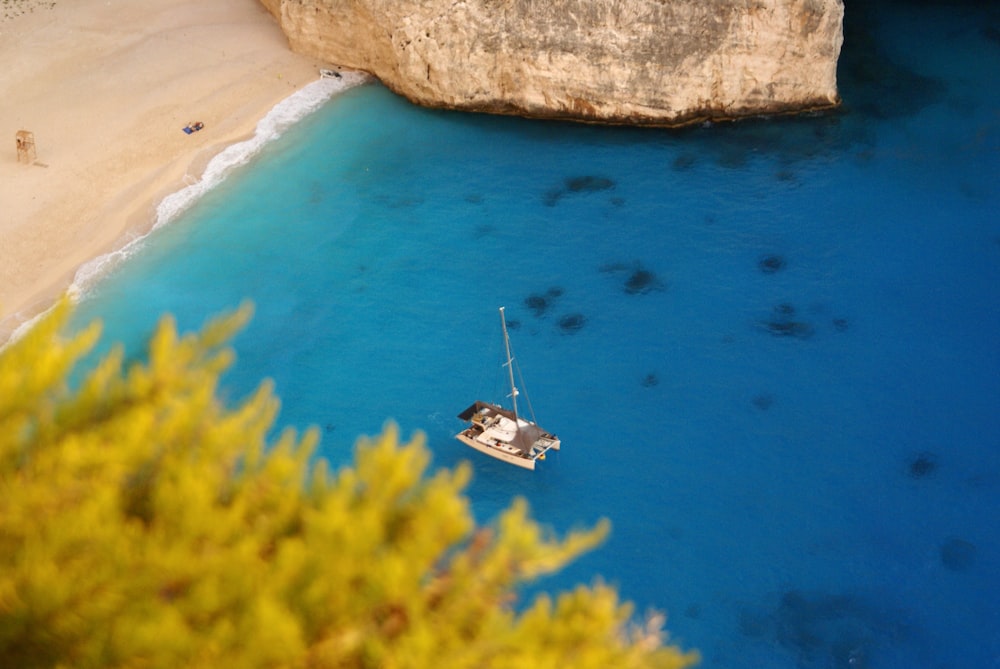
282 117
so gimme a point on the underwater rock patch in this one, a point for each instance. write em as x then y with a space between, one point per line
641 281
785 309
795 139
588 184
552 197
958 554
770 264
538 304
685 161
922 465
783 324
576 185
571 323
733 156
797 329
822 631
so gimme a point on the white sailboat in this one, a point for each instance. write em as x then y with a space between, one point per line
502 433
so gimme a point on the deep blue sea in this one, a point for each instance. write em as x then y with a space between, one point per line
771 349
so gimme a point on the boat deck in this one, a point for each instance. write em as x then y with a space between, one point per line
493 431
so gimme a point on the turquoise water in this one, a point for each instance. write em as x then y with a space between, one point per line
771 350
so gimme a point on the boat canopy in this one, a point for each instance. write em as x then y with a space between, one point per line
526 437
479 406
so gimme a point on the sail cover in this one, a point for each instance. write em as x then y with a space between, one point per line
526 437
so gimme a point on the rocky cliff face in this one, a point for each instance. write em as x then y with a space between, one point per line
660 62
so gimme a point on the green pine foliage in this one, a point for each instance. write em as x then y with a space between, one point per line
145 523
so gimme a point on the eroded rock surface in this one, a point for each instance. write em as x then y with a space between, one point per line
661 62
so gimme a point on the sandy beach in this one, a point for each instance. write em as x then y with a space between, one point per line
106 87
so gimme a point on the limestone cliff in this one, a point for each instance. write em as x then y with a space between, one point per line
663 62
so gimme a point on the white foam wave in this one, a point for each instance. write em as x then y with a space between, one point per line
283 116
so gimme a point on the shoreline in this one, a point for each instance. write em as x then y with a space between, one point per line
210 171
103 90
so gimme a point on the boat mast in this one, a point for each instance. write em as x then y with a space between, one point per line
510 363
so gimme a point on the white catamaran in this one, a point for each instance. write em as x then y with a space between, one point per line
501 433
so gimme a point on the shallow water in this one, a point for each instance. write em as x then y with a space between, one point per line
771 350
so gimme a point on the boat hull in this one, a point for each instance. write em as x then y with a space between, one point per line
495 452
